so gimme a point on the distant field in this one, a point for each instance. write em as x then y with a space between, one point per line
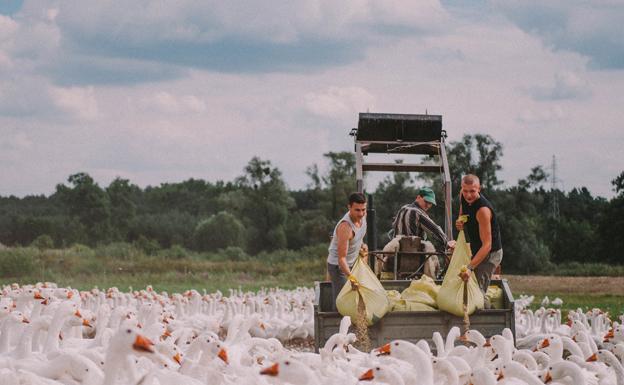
84 268
605 293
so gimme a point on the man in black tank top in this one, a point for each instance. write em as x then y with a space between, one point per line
482 232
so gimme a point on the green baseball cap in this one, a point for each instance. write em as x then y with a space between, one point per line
427 195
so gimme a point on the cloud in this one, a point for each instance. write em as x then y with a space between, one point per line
231 37
166 103
594 29
80 102
568 85
340 102
162 91
542 116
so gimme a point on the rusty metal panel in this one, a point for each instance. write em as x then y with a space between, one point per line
414 325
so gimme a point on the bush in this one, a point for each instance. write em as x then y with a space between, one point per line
148 246
43 242
175 252
119 250
220 231
82 250
17 262
234 254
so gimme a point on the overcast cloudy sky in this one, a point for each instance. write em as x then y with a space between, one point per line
162 91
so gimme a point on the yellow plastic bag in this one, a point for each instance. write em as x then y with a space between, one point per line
423 290
495 295
369 291
451 294
403 305
417 306
393 298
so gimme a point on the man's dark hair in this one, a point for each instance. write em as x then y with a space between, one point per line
357 197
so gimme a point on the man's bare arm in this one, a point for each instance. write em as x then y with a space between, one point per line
484 217
344 233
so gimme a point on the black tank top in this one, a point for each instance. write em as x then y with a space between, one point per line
472 226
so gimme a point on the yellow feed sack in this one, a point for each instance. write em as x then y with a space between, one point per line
403 305
417 306
393 297
451 294
369 290
423 290
495 295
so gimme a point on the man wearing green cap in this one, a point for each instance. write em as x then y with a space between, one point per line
412 219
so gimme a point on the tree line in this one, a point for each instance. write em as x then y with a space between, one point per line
256 212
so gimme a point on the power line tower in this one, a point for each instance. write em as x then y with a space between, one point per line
554 203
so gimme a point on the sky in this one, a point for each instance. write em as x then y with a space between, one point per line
158 91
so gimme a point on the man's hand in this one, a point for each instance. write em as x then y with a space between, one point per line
459 223
464 274
353 280
364 252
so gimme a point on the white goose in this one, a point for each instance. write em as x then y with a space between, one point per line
383 374
412 354
515 370
608 358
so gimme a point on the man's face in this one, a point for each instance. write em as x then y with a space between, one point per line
423 203
470 192
357 211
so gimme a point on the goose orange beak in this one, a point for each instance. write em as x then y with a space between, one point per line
592 358
272 370
38 295
384 350
367 376
70 294
548 378
77 314
545 343
143 344
178 358
487 343
85 322
223 356
500 376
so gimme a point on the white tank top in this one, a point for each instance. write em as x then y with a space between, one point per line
354 244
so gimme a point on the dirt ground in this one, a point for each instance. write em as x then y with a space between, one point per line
571 285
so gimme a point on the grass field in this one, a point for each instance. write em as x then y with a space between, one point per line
123 267
605 293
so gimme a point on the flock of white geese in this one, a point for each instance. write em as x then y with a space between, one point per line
54 335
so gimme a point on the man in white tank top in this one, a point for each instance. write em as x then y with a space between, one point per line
346 242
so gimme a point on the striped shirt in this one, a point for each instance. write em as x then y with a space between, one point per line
411 220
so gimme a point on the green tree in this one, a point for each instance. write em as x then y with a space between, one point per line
168 228
534 179
340 180
122 195
475 154
265 207
89 203
611 242
618 183
220 231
